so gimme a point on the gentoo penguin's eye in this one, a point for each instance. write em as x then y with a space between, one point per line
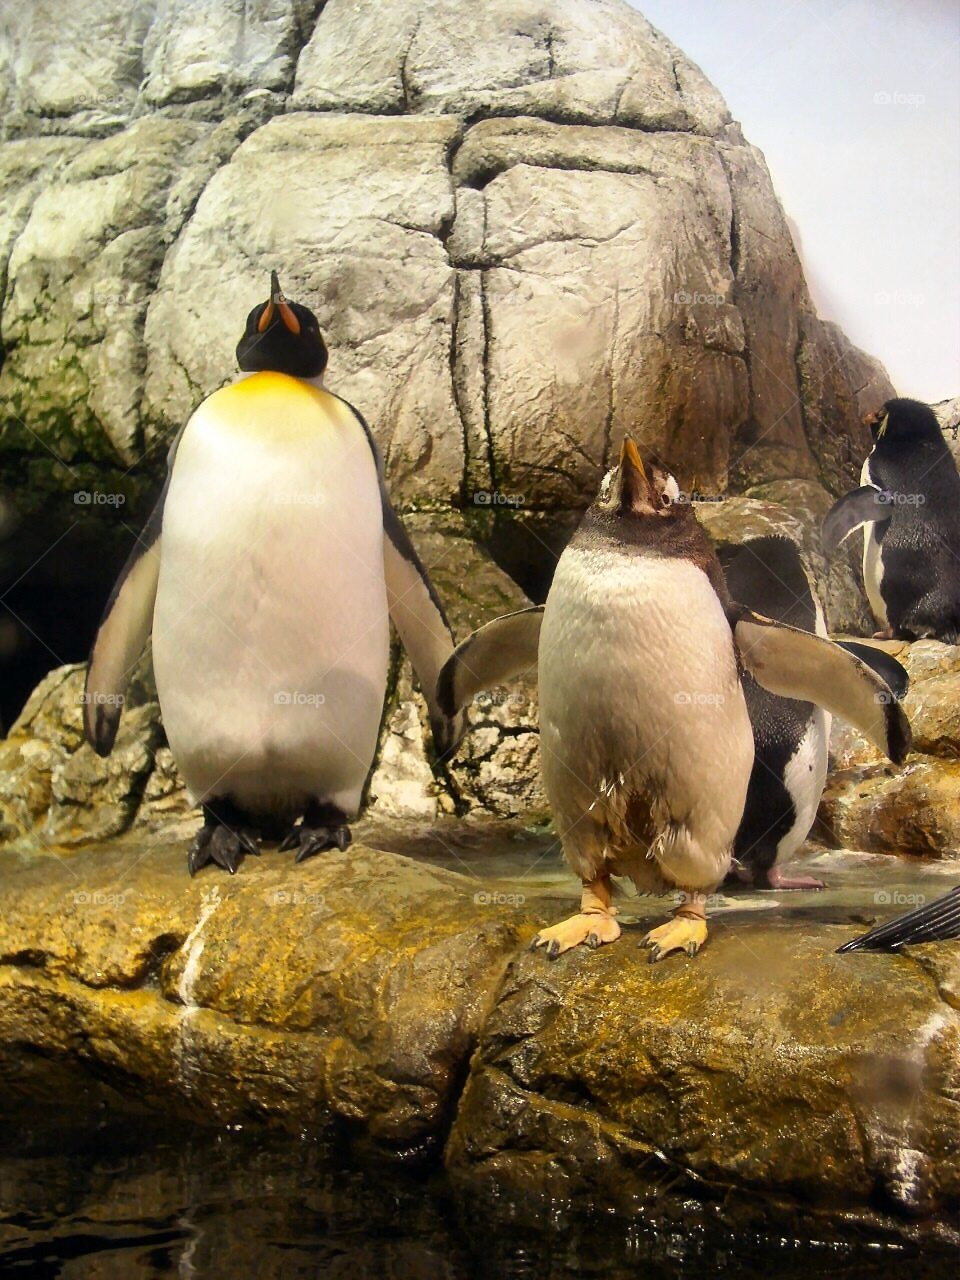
665 499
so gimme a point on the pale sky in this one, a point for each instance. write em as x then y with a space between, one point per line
856 106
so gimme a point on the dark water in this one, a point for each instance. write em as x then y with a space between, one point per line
86 1192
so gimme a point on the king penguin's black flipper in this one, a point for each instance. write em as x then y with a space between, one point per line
884 664
415 608
854 510
503 648
124 629
933 922
796 664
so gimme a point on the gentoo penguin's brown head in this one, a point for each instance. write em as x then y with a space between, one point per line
634 490
282 337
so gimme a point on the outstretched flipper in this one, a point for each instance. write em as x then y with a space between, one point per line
796 664
124 628
884 664
503 648
933 922
415 608
852 512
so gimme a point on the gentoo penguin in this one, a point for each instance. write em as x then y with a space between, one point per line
791 738
267 574
645 737
934 921
908 506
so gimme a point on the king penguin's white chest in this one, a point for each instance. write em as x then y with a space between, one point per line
271 630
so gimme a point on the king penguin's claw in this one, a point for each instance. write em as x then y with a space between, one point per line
311 840
682 933
221 845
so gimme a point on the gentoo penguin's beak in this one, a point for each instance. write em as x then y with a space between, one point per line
633 478
278 303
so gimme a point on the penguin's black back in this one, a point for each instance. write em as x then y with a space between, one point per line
767 575
920 543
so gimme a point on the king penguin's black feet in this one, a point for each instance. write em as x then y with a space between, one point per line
222 839
324 826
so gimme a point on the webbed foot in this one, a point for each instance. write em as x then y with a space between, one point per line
593 925
687 931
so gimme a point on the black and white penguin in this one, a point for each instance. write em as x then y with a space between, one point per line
267 575
908 506
791 738
645 737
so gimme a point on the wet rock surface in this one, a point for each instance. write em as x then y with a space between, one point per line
396 995
914 809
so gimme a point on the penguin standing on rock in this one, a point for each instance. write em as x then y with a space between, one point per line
908 506
267 575
645 736
791 738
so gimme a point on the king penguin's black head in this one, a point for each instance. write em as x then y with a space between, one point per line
904 422
282 337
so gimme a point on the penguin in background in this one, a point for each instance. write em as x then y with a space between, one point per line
791 737
267 575
908 506
646 743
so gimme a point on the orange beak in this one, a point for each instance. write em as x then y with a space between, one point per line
630 454
277 302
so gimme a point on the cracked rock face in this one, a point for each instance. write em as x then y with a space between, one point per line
505 290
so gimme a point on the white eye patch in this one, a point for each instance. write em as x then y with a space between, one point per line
672 489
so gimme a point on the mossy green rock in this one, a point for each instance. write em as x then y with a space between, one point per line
394 995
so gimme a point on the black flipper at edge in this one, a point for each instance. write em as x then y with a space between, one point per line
884 664
934 921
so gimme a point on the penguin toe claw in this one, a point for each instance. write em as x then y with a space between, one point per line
312 840
591 930
227 848
198 855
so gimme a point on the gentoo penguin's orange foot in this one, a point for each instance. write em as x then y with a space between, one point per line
777 880
324 827
222 845
593 928
682 933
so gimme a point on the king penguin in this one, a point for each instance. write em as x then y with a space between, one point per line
908 506
267 575
646 743
791 738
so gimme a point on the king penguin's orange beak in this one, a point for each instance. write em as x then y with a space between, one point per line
277 303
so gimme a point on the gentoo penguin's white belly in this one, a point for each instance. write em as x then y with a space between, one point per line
872 562
270 635
805 776
639 693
